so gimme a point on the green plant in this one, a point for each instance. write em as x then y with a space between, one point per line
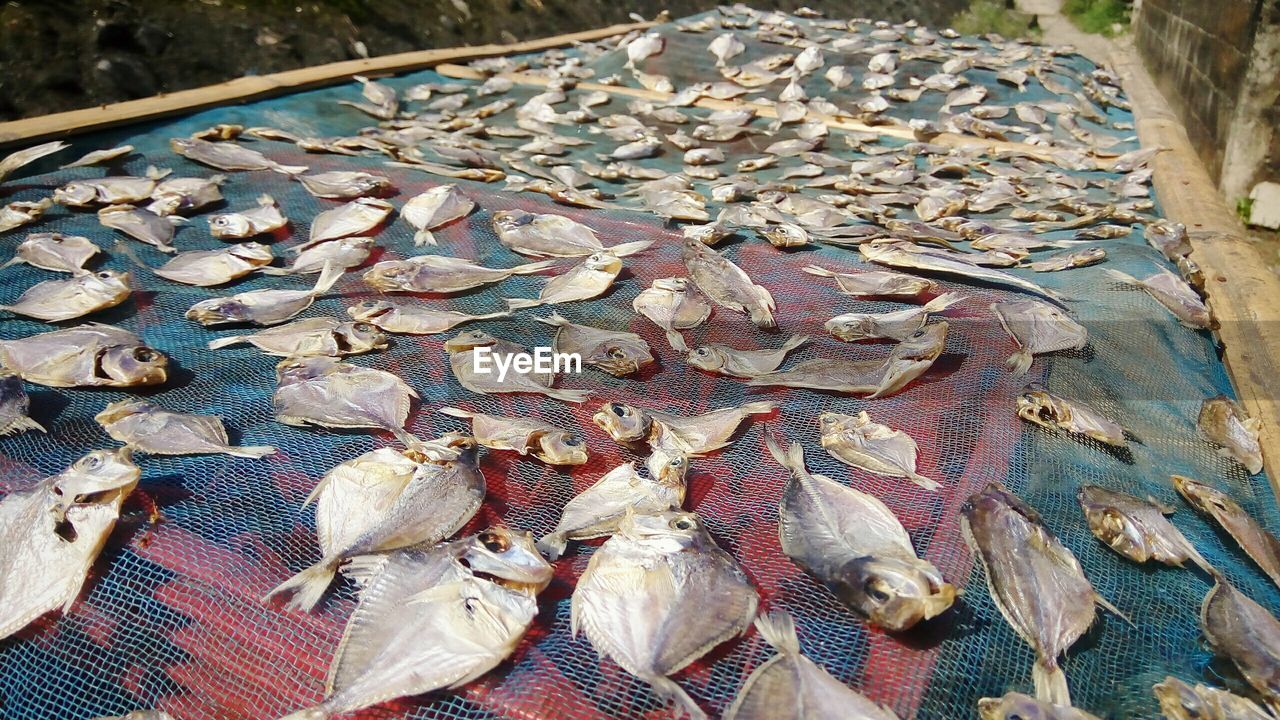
1101 17
993 16
1244 209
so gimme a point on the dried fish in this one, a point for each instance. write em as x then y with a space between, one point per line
588 279
1174 294
549 235
142 225
55 252
728 361
1136 528
412 319
327 392
1261 546
673 305
434 209
229 156
633 600
344 185
1244 631
146 427
1037 405
14 406
206 268
499 372
116 190
263 219
905 255
859 441
1037 328
524 435
262 307
1224 422
896 325
875 283
358 217
1180 701
1016 706
89 355
73 297
727 285
617 353
16 214
54 531
597 511
26 156
1035 581
183 195
695 435
441 274
1069 259
311 337
342 254
857 547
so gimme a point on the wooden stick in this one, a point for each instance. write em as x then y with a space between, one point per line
989 146
254 87
1243 293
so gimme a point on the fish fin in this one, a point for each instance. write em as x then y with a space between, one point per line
922 481
265 200
15 260
268 270
307 586
315 492
1105 604
553 546
759 407
290 170
521 303
456 412
778 629
314 713
1050 682
630 248
1019 362
250 451
554 320
794 342
227 341
328 276
21 424
130 255
1118 276
1163 507
424 237
667 688
533 267
405 437
677 341
943 301
568 395
155 173
792 458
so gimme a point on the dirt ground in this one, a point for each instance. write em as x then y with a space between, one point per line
62 55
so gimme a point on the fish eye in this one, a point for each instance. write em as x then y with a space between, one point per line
616 353
144 354
701 352
918 334
676 462
104 275
55 238
91 461
219 220
618 409
683 523
874 591
493 542
571 441
363 327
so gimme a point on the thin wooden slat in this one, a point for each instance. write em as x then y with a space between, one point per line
988 146
254 87
1243 293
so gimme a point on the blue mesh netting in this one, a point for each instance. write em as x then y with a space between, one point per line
171 617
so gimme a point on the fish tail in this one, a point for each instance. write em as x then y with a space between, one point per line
250 451
405 437
922 481
630 248
555 319
328 276
943 301
314 713
1050 682
290 170
759 407
791 458
1019 362
1118 276
227 341
492 315
13 261
268 270
794 342
21 424
567 395
762 317
521 303
778 629
533 267
553 545
456 412
154 173
677 341
307 586
667 688
424 237
129 254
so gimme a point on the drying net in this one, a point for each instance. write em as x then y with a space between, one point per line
171 615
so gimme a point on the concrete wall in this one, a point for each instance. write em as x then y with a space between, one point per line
1218 63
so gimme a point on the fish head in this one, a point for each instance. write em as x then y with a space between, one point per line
832 424
389 275
706 358
366 310
468 340
1014 706
560 447
508 558
668 466
1112 526
75 194
107 283
506 221
129 365
230 225
360 337
603 262
217 310
851 328
925 344
671 284
252 251
623 356
1202 497
122 409
894 593
1036 405
1179 701
102 476
668 531
624 423
356 244
292 370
